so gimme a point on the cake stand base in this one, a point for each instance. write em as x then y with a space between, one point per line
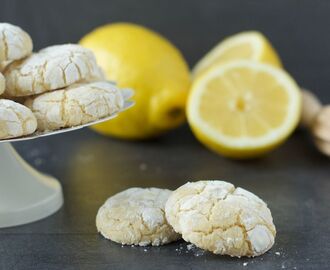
26 195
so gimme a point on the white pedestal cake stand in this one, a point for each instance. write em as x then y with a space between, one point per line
27 195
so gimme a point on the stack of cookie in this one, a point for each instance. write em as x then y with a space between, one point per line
60 86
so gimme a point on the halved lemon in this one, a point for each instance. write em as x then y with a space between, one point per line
250 45
243 108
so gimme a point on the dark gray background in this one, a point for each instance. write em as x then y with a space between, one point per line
294 179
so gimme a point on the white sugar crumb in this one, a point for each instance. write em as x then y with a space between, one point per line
277 253
195 250
179 249
190 246
143 166
145 250
245 264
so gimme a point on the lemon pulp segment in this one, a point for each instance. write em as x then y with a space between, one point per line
244 105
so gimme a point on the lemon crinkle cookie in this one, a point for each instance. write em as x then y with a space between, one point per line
76 105
15 120
14 43
136 217
216 216
51 68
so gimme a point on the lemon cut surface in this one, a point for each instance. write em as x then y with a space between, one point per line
250 45
243 108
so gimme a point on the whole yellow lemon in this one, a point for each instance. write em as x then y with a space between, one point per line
138 58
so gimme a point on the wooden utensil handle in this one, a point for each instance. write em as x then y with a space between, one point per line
311 106
316 118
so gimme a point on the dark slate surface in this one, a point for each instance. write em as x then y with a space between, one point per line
294 179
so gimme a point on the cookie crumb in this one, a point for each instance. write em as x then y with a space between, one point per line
245 264
195 250
190 246
277 253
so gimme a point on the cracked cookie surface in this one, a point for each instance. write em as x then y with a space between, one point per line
2 83
51 68
216 216
75 105
15 43
16 120
136 216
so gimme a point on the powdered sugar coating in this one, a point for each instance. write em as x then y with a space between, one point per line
15 120
15 43
136 217
52 68
216 216
76 105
